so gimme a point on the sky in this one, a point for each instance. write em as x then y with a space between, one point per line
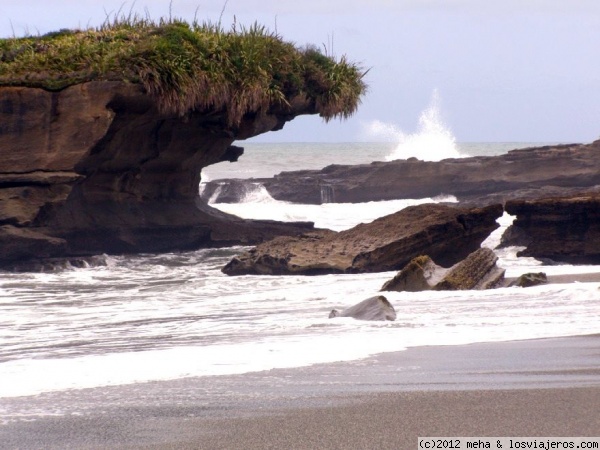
501 70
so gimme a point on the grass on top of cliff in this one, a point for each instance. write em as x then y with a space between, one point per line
187 67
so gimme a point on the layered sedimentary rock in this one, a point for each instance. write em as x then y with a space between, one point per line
98 168
420 274
520 173
448 234
476 271
563 229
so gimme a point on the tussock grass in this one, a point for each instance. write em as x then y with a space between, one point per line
188 67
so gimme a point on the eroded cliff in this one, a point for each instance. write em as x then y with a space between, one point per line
104 132
561 229
97 167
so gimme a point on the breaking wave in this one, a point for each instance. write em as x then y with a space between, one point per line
432 141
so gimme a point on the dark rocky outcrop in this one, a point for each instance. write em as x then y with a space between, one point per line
527 173
60 264
476 271
420 274
448 234
530 279
20 243
563 229
374 308
97 168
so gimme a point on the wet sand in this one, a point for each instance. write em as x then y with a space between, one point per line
546 387
395 420
592 277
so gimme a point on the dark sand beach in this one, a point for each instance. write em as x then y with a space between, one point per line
544 387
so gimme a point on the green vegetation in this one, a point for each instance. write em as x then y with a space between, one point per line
187 67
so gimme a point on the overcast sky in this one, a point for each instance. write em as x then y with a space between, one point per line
504 70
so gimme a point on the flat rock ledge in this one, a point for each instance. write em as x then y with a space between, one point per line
448 234
524 173
476 271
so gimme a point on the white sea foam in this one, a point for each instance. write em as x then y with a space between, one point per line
432 141
191 327
257 193
258 204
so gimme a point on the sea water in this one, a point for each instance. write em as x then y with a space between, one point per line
132 319
155 317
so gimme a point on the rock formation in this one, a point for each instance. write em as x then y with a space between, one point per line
476 271
530 279
420 274
525 173
563 229
97 168
104 132
448 234
374 308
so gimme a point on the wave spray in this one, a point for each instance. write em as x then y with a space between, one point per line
433 140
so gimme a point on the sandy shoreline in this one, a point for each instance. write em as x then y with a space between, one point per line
545 387
592 277
395 420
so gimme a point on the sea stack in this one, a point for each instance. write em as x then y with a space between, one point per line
105 154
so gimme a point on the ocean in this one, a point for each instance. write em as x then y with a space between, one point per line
132 319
